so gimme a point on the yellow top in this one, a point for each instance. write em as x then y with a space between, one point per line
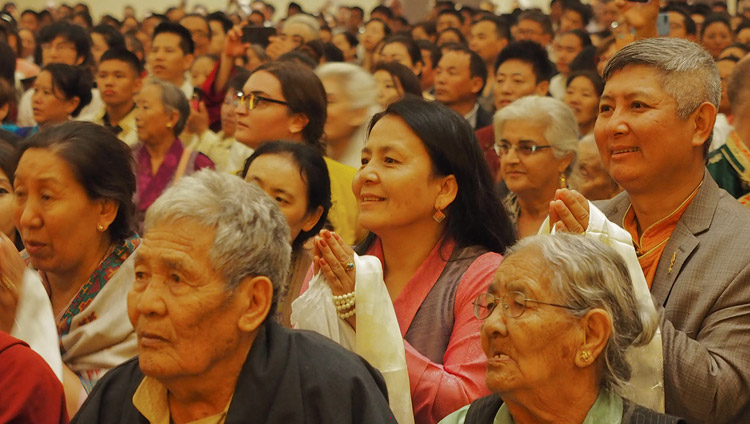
150 399
344 213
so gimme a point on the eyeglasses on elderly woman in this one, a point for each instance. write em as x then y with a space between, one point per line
521 150
514 304
252 100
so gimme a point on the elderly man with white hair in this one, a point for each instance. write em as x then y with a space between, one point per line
208 271
292 33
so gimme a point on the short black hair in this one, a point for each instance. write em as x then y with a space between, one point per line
592 76
384 10
351 38
582 35
456 31
745 24
529 52
222 18
71 32
386 28
102 164
86 18
477 68
714 18
209 32
435 53
454 12
72 81
415 54
124 55
186 39
112 36
538 17
502 29
690 28
584 11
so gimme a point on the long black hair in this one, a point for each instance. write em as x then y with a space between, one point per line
476 216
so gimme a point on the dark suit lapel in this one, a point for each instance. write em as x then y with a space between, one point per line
683 241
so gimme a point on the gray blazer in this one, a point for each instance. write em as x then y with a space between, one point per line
705 296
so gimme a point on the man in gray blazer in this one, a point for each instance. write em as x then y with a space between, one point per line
653 131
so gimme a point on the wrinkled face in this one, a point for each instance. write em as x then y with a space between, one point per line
641 140
118 82
389 88
715 38
394 186
279 176
185 319
200 32
567 47
268 121
532 351
589 175
484 40
48 103
515 79
60 50
167 60
151 117
725 68
533 31
343 119
529 175
581 96
453 81
54 215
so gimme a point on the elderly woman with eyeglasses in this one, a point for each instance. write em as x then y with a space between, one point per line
559 318
536 139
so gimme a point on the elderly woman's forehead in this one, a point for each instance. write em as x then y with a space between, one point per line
523 269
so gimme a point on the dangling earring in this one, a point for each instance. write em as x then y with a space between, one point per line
563 181
438 216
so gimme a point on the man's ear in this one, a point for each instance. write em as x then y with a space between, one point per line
703 119
542 88
597 327
476 84
256 298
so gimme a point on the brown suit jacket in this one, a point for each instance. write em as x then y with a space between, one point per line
705 296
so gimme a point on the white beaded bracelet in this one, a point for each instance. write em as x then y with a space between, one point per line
348 314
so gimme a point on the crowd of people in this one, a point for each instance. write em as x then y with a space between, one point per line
246 215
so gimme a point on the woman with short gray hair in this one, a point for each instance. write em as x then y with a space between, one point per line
560 319
536 139
161 111
351 93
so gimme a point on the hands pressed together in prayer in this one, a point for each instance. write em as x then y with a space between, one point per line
335 259
569 212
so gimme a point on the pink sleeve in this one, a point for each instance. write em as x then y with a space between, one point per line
439 389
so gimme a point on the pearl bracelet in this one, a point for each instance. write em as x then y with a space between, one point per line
347 314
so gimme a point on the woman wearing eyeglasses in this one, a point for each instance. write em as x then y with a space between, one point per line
287 101
161 110
536 139
561 318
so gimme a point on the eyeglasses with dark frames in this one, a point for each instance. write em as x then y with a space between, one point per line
513 304
252 100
